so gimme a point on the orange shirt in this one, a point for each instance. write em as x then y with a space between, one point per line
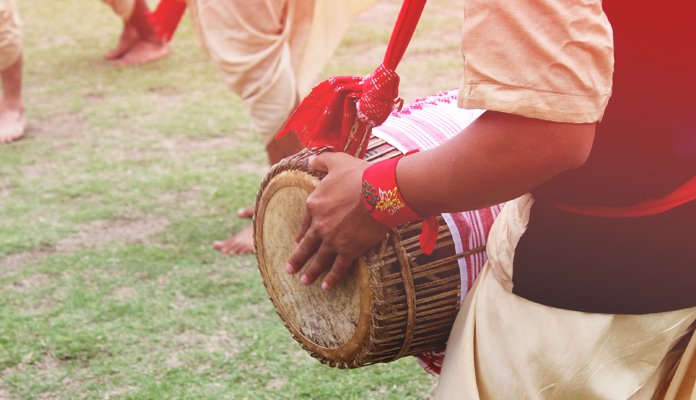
546 59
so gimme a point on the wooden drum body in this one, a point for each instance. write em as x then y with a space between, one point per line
396 301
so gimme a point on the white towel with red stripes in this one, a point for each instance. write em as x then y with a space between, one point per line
422 125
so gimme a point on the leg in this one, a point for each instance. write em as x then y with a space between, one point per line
128 39
277 149
148 47
129 36
248 41
139 42
243 241
246 212
12 122
263 71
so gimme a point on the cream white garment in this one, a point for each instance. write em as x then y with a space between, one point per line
10 34
270 51
504 347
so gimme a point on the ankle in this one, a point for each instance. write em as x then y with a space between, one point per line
12 104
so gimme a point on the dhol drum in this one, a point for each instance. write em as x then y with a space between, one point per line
396 301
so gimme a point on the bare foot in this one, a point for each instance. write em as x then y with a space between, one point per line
129 38
246 212
241 243
142 53
12 125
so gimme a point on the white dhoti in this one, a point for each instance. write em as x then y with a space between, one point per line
503 346
10 34
270 51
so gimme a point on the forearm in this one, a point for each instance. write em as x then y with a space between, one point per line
497 158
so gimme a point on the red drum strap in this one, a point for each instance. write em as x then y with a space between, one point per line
341 111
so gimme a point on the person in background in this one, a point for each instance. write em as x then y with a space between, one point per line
12 120
269 52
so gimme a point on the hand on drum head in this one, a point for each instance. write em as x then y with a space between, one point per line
337 228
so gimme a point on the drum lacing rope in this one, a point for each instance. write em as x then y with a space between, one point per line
409 292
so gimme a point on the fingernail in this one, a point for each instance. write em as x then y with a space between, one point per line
325 285
304 280
289 269
311 159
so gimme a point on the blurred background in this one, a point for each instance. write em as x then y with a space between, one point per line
109 287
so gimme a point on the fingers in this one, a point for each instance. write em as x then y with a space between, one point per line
338 271
304 250
321 262
324 259
313 258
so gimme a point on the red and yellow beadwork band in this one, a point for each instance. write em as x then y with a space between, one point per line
386 205
382 196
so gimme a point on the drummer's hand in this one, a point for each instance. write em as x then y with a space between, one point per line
337 228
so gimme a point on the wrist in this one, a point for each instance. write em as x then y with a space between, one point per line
386 205
382 196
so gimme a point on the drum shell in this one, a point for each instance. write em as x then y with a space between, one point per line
403 301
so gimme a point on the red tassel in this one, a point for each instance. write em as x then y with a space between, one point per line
341 111
428 236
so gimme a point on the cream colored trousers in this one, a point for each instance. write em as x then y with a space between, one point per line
505 347
10 34
270 51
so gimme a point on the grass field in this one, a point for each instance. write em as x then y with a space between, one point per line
109 287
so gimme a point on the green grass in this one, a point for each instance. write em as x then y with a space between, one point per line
109 288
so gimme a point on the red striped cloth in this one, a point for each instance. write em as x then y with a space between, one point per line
422 125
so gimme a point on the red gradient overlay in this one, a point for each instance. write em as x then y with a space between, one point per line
645 146
617 234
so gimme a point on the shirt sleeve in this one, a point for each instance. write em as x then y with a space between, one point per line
546 59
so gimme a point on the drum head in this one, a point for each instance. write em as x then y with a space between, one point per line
331 325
